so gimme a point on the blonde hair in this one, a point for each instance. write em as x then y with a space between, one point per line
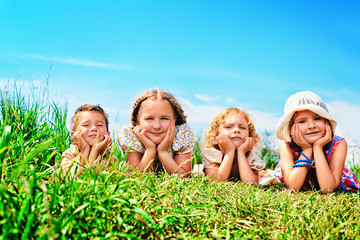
213 131
88 107
156 94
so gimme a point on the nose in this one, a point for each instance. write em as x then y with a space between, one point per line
311 124
93 127
236 129
157 124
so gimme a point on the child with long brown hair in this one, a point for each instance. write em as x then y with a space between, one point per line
158 138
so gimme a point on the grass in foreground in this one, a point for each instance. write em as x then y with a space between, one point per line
125 204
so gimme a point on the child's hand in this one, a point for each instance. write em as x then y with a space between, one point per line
225 144
247 145
168 139
84 147
298 138
326 138
140 134
79 141
100 146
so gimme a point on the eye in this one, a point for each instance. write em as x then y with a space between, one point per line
242 128
318 118
164 118
149 118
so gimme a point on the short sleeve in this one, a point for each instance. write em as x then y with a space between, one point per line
183 140
127 139
69 160
255 162
211 157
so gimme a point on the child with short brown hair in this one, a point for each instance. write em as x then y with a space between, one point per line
91 141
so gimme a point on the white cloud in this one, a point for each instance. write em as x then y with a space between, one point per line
347 116
74 61
206 98
233 102
200 116
264 120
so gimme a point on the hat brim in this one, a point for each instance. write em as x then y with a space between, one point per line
282 130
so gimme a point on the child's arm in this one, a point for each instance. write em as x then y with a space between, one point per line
228 149
294 178
69 160
145 161
245 171
77 153
99 147
181 163
329 174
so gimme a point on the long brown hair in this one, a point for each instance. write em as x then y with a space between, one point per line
156 94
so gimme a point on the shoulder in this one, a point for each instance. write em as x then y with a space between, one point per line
183 139
72 151
211 157
336 143
127 139
255 162
183 130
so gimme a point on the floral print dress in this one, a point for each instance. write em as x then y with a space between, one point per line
183 143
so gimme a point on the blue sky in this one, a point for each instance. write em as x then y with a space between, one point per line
209 54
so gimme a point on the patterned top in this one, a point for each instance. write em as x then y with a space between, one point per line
183 142
71 157
212 157
348 179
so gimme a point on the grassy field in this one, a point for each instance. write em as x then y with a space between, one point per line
124 204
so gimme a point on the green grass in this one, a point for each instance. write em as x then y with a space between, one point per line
124 204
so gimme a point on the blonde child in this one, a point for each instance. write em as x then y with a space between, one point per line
230 147
91 141
310 153
159 138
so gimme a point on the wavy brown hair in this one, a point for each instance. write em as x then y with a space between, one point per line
156 94
88 107
213 131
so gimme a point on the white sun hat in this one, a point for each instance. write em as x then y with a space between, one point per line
299 101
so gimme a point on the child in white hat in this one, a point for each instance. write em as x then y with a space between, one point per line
310 153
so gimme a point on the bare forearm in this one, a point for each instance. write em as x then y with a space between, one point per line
326 179
295 176
172 167
224 170
246 173
147 161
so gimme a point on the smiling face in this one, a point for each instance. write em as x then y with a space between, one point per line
156 116
236 127
92 126
311 125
